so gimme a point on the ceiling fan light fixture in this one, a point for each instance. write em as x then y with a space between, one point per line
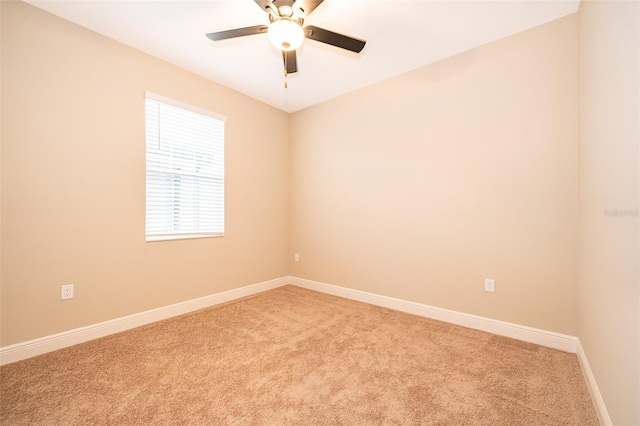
285 34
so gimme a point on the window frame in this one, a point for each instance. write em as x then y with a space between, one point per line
189 234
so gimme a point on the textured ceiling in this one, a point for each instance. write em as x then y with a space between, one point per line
401 35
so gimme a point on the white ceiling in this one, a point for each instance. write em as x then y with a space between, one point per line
401 35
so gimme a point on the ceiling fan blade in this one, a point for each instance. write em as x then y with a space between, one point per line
307 6
290 61
268 6
334 39
238 32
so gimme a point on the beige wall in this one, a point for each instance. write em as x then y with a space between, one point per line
422 186
73 182
609 129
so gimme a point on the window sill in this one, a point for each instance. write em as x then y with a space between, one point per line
151 239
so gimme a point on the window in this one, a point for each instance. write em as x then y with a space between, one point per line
185 171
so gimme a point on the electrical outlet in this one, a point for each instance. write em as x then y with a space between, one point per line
296 257
67 292
489 285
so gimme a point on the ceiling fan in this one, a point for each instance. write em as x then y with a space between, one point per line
286 32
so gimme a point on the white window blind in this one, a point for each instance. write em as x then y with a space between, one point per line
185 171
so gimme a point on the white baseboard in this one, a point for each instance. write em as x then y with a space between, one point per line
550 339
559 341
596 397
53 342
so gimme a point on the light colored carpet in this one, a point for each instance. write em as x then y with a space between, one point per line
291 356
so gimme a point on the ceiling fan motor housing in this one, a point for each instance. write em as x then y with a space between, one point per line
287 8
